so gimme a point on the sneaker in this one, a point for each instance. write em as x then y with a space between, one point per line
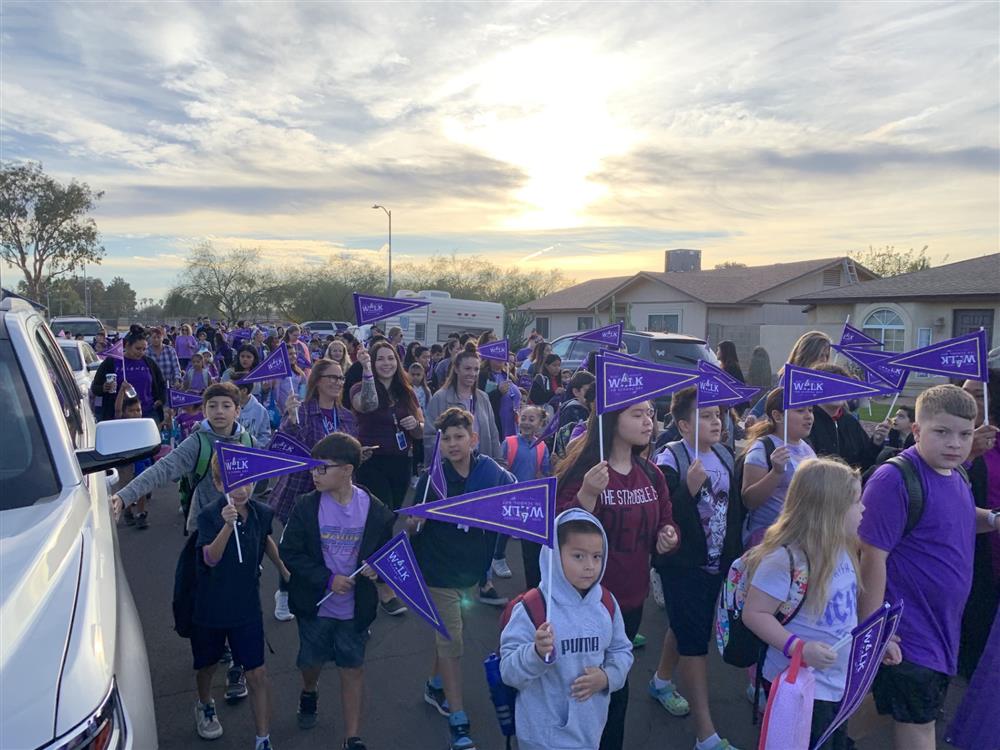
128 516
668 697
236 684
354 743
639 641
264 744
307 709
720 745
657 587
489 595
501 569
227 657
435 697
142 520
206 721
393 607
458 723
281 612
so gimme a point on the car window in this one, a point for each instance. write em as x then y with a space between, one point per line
561 348
72 328
89 355
73 357
632 344
67 391
684 353
581 349
27 474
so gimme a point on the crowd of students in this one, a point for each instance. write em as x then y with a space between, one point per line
789 506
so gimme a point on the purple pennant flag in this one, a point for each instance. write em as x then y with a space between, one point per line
621 384
875 367
117 351
551 428
526 510
244 465
496 350
435 472
713 391
610 335
852 337
709 369
869 640
960 357
805 387
368 309
396 565
274 367
178 399
283 443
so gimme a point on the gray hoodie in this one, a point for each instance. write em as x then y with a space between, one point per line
547 716
254 417
180 461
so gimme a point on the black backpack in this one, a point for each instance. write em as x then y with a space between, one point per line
185 580
741 461
911 480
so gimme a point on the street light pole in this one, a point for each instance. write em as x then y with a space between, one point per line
388 286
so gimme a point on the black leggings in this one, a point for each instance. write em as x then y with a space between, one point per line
532 570
387 477
614 730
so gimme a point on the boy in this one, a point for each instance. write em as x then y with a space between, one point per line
834 435
453 560
227 602
131 408
527 463
706 506
929 567
329 533
253 415
901 434
564 702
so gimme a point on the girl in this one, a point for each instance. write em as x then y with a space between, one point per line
547 384
223 353
299 352
186 345
533 365
730 362
629 496
136 371
337 352
496 382
815 531
389 418
419 383
245 361
282 387
257 342
411 354
197 378
770 463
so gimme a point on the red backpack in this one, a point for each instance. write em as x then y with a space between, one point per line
534 605
512 446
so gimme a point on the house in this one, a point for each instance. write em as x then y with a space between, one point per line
747 305
915 309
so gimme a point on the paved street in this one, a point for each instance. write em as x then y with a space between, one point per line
398 658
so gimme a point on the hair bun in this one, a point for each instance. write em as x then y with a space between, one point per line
471 347
136 328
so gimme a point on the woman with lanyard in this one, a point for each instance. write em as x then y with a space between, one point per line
389 419
504 395
136 370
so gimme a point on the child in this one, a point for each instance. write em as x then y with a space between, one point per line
815 531
187 419
453 560
329 533
928 566
423 394
526 463
564 703
253 415
131 408
901 434
197 378
832 435
227 602
706 507
770 463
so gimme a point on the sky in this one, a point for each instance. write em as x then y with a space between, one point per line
588 137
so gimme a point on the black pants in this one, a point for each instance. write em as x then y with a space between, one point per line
417 457
388 477
613 737
532 570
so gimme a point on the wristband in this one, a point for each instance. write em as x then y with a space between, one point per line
367 376
788 644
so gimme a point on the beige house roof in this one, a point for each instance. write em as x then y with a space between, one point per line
577 297
977 277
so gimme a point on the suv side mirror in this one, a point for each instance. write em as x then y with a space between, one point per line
120 441
94 366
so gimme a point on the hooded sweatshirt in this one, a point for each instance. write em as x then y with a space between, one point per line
254 417
180 461
548 717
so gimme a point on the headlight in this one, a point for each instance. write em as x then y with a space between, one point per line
103 730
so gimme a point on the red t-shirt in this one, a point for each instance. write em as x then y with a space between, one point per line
632 510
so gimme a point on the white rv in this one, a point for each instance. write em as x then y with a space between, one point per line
432 324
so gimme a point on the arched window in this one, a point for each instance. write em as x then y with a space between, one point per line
887 327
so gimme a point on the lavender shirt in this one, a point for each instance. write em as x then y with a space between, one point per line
186 346
138 375
340 530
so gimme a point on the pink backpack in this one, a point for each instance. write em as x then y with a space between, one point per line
788 717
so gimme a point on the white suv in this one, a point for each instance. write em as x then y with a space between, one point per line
73 668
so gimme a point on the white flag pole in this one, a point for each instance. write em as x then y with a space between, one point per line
236 531
986 394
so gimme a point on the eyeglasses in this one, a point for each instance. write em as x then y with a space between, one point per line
324 468
334 378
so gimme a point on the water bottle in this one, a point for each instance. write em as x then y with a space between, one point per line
501 695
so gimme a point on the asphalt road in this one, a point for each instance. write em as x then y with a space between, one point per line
398 659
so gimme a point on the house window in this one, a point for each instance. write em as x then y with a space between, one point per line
542 326
584 322
669 323
886 326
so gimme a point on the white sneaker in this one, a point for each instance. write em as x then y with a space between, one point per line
281 612
501 569
657 587
206 721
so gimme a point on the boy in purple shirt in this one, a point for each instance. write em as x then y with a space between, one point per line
329 533
929 567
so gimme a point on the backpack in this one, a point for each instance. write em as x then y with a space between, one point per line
911 480
512 446
683 460
189 482
185 578
741 460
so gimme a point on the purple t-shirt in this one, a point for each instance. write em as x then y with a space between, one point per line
340 530
930 568
138 375
186 346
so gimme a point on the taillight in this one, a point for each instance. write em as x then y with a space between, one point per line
104 730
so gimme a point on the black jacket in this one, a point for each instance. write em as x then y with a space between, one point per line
985 594
844 437
108 399
303 555
693 550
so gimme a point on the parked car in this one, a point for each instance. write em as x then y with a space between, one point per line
73 667
325 327
82 360
73 325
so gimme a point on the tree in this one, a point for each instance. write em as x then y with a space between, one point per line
729 264
44 228
236 282
179 304
888 261
119 299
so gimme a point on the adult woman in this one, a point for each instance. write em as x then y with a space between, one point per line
395 336
505 398
533 365
811 349
101 344
443 368
301 351
136 370
547 384
389 419
186 345
410 357
257 342
629 496
729 360
337 351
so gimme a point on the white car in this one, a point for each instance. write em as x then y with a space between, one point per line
82 359
325 327
74 674
73 325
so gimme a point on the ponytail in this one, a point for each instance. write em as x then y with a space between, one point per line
774 402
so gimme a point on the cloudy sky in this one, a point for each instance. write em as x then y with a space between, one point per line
588 137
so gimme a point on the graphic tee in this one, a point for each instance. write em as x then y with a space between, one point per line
340 530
